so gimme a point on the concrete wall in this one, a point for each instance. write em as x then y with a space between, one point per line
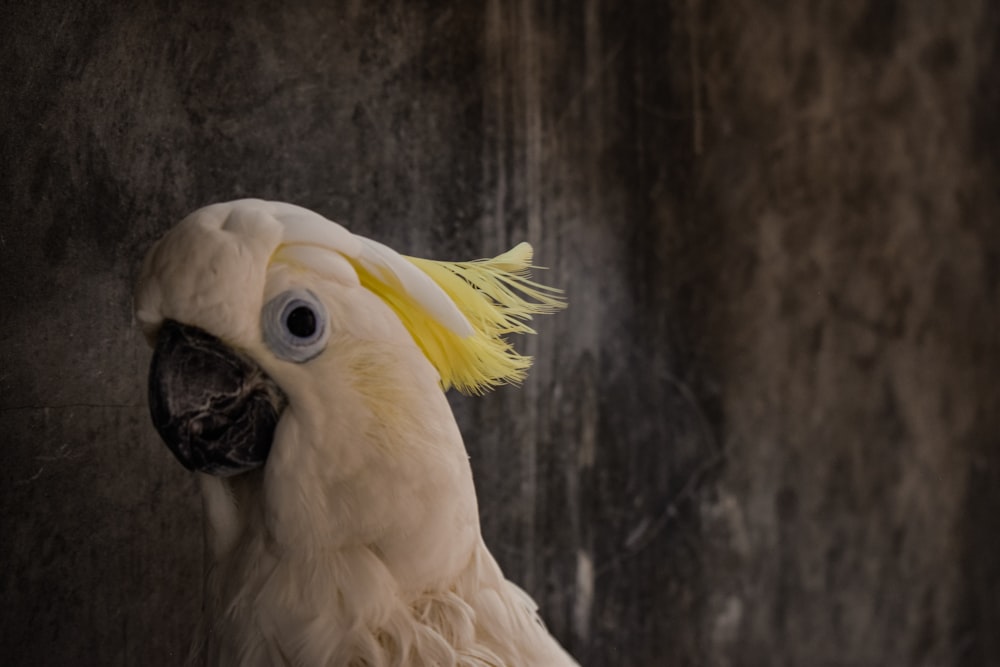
765 432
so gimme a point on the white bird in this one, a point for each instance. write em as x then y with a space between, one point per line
300 369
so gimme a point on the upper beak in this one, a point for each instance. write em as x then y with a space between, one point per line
214 407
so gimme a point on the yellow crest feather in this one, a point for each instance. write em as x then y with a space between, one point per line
496 296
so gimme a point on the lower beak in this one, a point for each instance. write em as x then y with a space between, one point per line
214 407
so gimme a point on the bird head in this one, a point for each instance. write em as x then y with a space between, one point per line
282 340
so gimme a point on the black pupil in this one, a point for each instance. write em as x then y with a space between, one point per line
301 322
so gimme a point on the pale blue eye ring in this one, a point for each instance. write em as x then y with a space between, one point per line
295 325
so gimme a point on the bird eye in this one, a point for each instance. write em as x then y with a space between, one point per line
294 325
301 322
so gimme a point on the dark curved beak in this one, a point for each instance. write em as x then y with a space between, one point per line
214 407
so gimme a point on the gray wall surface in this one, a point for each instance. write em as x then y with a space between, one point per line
764 433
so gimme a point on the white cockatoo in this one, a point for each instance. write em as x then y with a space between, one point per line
300 369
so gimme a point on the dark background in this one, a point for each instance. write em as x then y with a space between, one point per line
764 433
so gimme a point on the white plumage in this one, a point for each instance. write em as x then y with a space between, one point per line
357 542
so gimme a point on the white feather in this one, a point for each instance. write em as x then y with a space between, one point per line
390 266
358 543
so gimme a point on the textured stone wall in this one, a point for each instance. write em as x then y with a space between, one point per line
764 433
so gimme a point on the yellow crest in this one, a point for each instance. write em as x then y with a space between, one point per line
457 312
496 296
